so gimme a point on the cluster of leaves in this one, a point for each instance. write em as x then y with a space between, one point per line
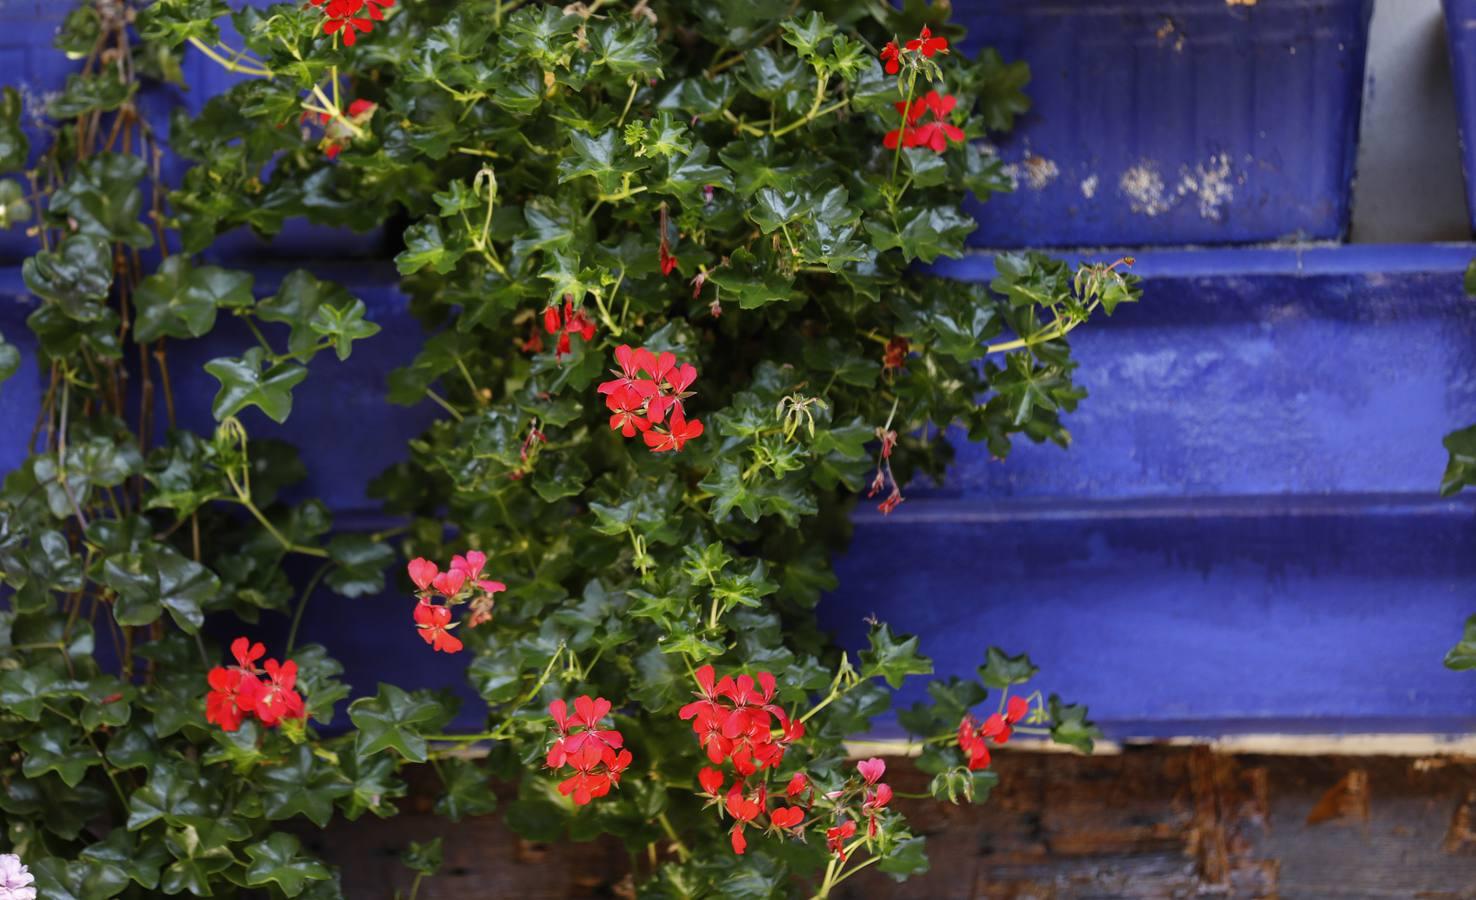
708 178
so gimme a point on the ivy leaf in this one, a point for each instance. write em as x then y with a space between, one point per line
1000 670
926 233
301 785
468 790
104 200
297 303
77 276
343 326
806 35
774 209
1070 725
180 300
389 721
138 861
58 879
626 49
1463 655
278 860
57 748
596 157
252 381
158 578
751 283
359 565
426 246
317 678
686 178
905 858
102 91
15 147
173 22
893 659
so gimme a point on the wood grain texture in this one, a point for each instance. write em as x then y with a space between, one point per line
1153 822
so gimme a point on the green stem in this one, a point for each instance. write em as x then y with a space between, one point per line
455 413
902 132
259 70
634 86
676 842
302 603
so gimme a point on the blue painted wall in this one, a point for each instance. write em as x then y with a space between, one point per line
1245 534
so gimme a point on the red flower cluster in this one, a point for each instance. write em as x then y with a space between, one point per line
595 753
934 135
644 404
461 583
973 738
734 719
924 43
348 15
243 689
574 321
875 796
746 803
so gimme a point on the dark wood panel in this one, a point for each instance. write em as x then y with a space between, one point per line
1153 822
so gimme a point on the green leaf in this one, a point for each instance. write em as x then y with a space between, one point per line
806 35
893 659
58 879
905 858
102 91
1463 655
159 578
926 233
1001 671
774 209
58 748
343 326
426 246
15 148
1070 725
15 209
424 858
279 860
626 49
104 201
76 276
122 852
1001 89
1460 471
389 720
468 790
253 381
180 300
173 22
599 158
301 785
297 304
10 360
359 565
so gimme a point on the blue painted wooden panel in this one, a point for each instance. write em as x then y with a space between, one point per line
1245 535
1176 121
1460 30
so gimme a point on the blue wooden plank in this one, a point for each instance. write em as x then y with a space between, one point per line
1175 121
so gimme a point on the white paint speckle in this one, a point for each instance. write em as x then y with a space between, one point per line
1145 190
1039 171
1211 185
1089 186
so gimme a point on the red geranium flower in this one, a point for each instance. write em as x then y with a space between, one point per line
594 752
348 15
626 406
928 45
678 432
239 691
434 623
423 572
934 135
835 838
871 770
786 817
711 781
573 321
892 57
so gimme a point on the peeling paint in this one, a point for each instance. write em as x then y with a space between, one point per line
1039 171
1145 190
1089 187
